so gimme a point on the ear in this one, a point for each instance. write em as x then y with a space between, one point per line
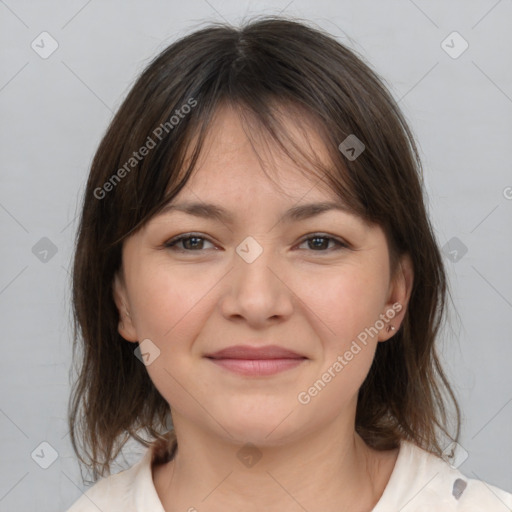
125 327
399 293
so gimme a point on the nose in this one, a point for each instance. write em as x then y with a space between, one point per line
257 291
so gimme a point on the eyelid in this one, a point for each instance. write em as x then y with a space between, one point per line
339 241
184 236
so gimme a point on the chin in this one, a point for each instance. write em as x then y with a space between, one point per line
267 427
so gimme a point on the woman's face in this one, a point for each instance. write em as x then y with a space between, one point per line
314 284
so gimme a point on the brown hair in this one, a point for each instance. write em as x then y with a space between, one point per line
268 66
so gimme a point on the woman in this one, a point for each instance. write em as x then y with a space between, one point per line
258 289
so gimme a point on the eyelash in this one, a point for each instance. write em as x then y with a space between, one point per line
171 244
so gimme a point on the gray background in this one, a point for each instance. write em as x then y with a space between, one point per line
54 112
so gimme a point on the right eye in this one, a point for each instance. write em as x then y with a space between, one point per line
191 242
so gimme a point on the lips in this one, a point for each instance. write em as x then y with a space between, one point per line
255 353
256 361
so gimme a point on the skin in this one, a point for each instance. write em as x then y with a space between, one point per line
312 300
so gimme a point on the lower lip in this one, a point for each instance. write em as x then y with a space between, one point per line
257 366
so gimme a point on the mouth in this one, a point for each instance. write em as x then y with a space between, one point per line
256 361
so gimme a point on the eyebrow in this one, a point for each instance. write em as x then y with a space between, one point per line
296 213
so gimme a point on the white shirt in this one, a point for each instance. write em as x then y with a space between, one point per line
420 482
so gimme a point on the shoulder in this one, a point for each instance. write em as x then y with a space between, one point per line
428 482
423 482
484 496
112 493
125 491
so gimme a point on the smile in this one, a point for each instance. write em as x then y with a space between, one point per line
257 367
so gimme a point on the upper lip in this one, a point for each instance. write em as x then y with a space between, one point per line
249 352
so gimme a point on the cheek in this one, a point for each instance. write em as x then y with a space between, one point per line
171 309
345 303
167 302
345 307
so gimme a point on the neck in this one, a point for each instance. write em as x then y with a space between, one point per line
331 470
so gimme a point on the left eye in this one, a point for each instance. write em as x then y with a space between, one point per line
320 242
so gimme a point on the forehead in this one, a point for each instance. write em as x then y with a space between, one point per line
239 154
